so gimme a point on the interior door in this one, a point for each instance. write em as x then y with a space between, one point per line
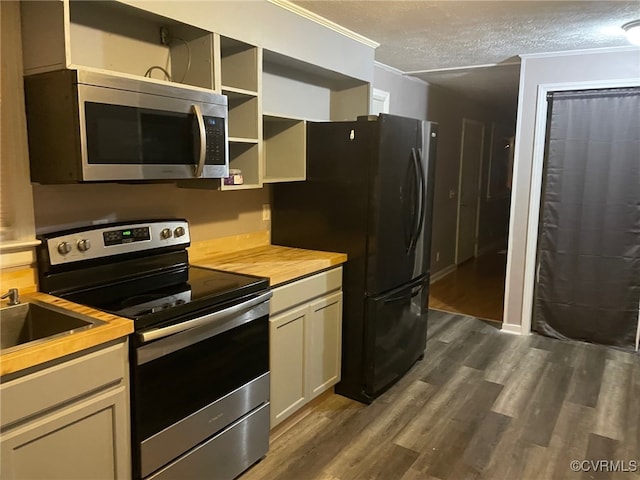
469 189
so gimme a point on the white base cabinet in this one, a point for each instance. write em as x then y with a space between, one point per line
305 341
68 421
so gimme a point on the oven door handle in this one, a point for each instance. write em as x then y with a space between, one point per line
214 317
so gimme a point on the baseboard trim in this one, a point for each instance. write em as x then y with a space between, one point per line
512 328
439 275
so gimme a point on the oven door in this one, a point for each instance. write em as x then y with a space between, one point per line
130 135
192 380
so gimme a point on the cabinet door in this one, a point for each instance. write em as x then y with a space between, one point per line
324 344
89 439
287 363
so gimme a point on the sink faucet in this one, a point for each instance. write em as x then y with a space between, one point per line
13 295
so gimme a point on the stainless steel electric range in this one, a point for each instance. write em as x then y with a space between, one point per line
199 356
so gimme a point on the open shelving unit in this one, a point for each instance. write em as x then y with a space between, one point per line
284 149
118 37
115 37
240 81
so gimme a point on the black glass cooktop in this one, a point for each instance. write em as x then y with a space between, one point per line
168 296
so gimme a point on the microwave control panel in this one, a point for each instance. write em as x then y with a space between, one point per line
216 145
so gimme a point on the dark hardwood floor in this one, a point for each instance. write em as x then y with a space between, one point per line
481 405
475 288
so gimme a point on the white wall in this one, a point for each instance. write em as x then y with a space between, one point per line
567 67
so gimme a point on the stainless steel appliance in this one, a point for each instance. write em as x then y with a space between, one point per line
369 193
199 356
89 126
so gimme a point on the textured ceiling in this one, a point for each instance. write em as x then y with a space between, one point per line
419 37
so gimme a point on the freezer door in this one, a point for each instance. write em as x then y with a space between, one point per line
395 335
397 203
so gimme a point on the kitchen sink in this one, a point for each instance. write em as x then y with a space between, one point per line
32 322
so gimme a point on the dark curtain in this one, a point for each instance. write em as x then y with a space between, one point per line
588 280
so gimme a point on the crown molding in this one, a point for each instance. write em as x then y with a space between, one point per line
586 51
303 12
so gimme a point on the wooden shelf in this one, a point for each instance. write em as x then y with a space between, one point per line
114 37
284 153
297 89
233 92
245 156
243 140
239 64
243 117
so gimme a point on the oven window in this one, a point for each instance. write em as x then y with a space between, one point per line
133 136
174 386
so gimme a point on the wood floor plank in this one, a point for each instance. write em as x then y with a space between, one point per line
544 407
587 376
600 449
612 406
631 443
450 434
475 288
454 356
487 353
387 425
455 327
413 474
392 461
483 443
521 383
433 418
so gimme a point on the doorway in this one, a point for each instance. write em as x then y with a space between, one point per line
475 284
471 149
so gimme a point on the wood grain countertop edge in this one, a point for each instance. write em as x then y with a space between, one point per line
280 264
56 348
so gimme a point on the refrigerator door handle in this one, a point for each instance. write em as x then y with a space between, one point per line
411 294
423 194
419 210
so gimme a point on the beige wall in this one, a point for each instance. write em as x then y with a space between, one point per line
211 213
408 95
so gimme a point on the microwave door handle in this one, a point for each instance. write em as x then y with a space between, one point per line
203 140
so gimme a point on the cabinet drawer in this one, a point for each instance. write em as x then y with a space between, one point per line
306 289
45 389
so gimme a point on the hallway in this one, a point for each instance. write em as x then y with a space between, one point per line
476 288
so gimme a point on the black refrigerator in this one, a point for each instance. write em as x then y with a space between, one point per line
369 193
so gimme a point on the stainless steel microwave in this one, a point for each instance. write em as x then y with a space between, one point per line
87 126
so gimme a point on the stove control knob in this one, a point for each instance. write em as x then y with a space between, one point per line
179 231
166 233
64 248
84 245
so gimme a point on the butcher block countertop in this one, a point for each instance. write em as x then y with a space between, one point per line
279 264
248 253
47 350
